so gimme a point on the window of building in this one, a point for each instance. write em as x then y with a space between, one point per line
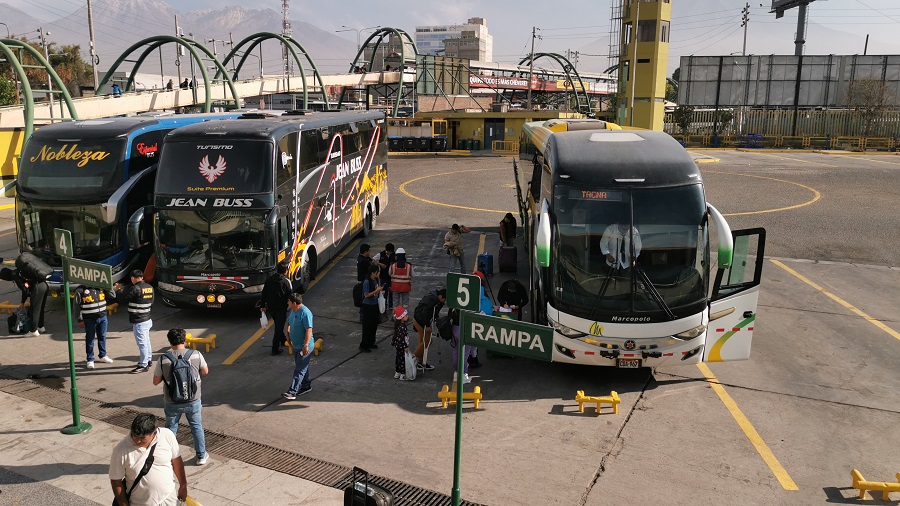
647 30
664 31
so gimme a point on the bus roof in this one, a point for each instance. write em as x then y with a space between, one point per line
113 127
613 157
263 126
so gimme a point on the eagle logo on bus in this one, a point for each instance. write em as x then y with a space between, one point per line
212 172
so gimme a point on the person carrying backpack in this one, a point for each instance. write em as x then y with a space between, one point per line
180 370
274 301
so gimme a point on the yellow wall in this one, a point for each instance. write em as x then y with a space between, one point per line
650 84
10 148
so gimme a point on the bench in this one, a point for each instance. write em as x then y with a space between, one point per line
612 399
209 341
317 347
447 397
884 487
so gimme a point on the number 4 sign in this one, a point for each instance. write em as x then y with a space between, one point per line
62 242
463 291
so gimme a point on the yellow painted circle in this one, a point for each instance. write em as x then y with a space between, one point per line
410 195
816 194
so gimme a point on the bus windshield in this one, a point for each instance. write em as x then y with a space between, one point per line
78 169
630 250
211 239
92 238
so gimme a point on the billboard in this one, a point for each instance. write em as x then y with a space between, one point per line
779 6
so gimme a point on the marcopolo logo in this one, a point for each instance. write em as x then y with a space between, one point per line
596 329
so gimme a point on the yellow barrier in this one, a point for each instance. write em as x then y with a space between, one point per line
879 143
505 147
612 399
7 307
885 488
447 397
851 143
209 340
317 347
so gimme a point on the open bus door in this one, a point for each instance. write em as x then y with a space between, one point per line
735 295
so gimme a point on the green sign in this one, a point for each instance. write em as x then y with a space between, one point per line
463 291
62 242
506 336
82 272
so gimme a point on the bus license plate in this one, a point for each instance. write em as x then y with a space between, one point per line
628 363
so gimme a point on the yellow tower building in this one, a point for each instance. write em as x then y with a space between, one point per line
643 62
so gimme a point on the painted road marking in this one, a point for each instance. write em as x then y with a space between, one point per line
761 447
258 334
796 159
7 206
839 300
816 194
410 195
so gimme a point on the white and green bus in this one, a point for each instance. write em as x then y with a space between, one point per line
617 235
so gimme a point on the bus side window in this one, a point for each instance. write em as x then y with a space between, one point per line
310 157
284 233
535 183
286 166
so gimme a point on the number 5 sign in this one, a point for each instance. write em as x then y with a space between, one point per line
463 291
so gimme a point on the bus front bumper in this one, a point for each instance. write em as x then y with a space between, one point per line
628 353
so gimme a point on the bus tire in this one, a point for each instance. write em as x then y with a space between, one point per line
306 272
368 223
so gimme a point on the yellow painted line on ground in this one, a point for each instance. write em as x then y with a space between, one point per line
798 160
878 161
840 301
7 206
319 275
816 194
761 447
8 233
701 161
410 195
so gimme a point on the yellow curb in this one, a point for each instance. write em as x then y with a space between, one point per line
707 160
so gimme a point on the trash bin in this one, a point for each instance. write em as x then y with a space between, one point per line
409 144
476 144
423 144
395 143
440 143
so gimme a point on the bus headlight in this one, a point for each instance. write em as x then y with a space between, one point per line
170 287
220 299
567 331
201 299
253 289
692 333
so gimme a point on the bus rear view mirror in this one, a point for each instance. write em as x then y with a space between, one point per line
542 241
138 230
726 242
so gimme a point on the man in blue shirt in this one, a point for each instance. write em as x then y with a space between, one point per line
300 331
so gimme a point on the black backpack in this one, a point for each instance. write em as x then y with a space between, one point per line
445 327
358 294
182 385
33 268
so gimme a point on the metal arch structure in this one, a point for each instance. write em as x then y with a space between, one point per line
581 98
258 38
194 48
380 35
8 48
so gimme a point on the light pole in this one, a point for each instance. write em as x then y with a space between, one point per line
357 30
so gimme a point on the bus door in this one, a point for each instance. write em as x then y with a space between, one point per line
735 295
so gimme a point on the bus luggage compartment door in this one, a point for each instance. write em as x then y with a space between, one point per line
732 310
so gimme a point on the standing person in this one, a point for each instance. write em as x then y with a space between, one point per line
184 84
621 243
507 230
157 451
34 272
454 246
386 259
400 342
182 405
90 305
363 261
371 316
300 329
139 296
170 85
425 313
401 274
274 302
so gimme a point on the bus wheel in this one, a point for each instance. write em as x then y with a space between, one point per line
368 224
305 273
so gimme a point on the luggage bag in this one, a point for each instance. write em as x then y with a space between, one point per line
486 264
507 258
363 493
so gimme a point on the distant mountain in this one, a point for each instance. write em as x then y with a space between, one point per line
18 22
122 23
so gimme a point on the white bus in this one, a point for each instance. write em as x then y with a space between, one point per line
617 233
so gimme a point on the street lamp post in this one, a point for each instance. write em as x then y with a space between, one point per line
346 28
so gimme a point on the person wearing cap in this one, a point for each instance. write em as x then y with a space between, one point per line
90 306
139 296
401 274
454 246
400 342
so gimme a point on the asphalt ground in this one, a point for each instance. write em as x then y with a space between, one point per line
818 397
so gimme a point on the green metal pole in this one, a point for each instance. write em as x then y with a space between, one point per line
460 382
77 427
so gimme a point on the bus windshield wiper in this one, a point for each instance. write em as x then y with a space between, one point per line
654 293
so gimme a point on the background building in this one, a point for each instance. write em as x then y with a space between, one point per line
471 40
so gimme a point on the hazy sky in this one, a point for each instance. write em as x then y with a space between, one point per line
698 26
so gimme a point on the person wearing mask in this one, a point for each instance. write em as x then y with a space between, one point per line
386 259
274 302
139 296
371 316
401 274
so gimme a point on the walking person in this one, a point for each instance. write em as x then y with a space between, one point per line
145 462
371 316
139 296
400 342
423 317
300 330
274 302
90 305
401 273
180 369
454 246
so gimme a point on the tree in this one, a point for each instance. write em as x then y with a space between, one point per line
7 91
672 86
868 97
683 116
66 60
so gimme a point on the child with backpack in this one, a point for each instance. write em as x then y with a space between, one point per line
180 369
400 342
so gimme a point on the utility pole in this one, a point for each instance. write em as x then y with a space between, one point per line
179 51
745 20
801 30
94 58
534 29
286 32
49 80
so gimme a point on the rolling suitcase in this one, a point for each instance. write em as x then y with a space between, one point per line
486 264
363 493
507 259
